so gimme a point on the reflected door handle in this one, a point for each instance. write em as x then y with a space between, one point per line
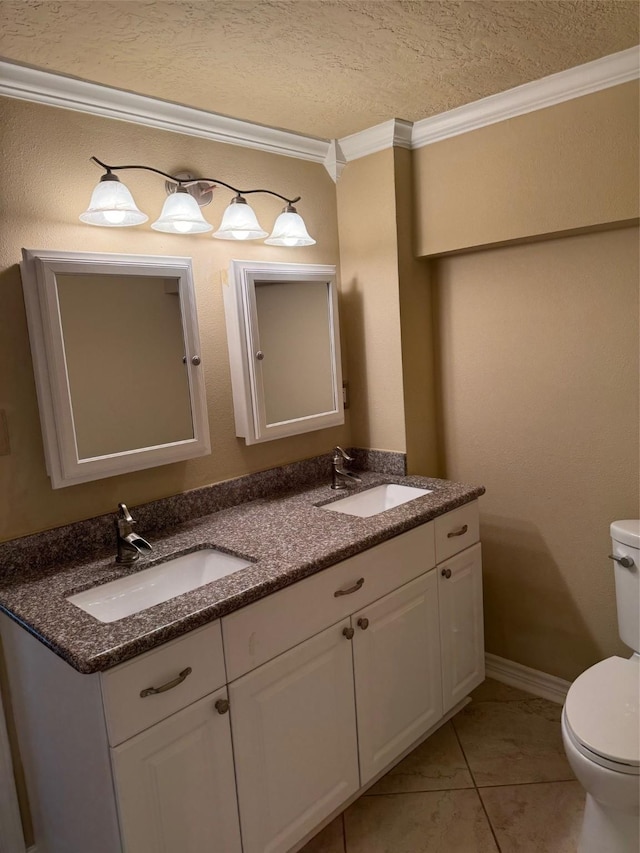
195 359
259 355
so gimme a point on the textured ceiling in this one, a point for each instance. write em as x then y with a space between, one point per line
326 68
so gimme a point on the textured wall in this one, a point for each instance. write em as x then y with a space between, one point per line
570 166
47 180
539 385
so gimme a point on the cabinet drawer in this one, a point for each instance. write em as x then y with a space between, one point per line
456 530
260 631
127 712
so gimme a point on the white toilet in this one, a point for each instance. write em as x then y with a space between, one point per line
601 721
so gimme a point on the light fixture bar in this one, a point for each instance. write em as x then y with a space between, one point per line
183 182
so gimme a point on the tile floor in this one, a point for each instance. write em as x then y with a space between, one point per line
492 780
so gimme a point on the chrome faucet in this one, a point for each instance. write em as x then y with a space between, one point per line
340 477
130 545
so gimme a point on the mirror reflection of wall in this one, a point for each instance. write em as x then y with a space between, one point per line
124 353
295 336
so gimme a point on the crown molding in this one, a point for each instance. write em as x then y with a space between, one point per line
393 133
56 90
334 161
575 82
44 87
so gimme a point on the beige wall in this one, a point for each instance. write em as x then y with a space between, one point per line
371 310
539 393
417 332
46 182
570 166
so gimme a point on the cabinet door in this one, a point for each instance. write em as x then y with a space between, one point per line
461 625
397 672
175 784
294 739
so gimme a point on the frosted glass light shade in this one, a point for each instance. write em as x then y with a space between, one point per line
289 230
112 206
239 222
181 215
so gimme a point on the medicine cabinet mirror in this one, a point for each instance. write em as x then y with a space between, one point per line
116 355
284 348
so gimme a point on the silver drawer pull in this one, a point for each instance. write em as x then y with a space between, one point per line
151 691
625 562
357 585
459 531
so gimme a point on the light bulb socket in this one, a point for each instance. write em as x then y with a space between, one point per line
109 176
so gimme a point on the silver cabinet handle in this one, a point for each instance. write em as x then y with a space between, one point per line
459 531
222 706
348 633
195 360
625 562
357 585
363 623
446 573
151 691
259 355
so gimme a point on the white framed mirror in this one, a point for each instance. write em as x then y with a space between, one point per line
284 348
116 356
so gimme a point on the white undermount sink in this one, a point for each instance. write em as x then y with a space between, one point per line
136 592
376 500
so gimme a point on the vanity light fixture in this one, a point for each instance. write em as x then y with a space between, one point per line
112 206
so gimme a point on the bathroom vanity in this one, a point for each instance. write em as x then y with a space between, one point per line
277 702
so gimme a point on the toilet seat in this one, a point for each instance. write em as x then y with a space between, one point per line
602 714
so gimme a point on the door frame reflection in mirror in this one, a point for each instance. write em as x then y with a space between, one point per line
246 356
39 270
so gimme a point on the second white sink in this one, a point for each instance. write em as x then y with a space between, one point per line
129 595
376 500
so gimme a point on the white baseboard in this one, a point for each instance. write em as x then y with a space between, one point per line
532 680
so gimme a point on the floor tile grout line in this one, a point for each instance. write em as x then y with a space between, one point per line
477 790
523 784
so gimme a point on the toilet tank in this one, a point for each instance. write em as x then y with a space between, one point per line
625 537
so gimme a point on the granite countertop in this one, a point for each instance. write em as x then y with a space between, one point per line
287 537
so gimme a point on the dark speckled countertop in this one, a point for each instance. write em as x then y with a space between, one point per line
287 537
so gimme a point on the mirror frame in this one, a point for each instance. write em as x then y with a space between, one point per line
243 338
39 269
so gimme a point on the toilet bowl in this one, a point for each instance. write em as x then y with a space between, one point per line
601 719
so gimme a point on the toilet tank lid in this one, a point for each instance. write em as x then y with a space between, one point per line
627 532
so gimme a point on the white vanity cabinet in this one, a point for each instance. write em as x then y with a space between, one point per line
175 784
318 721
294 740
459 559
461 625
396 653
244 735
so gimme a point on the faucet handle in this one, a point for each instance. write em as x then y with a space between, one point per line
124 522
125 514
338 452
